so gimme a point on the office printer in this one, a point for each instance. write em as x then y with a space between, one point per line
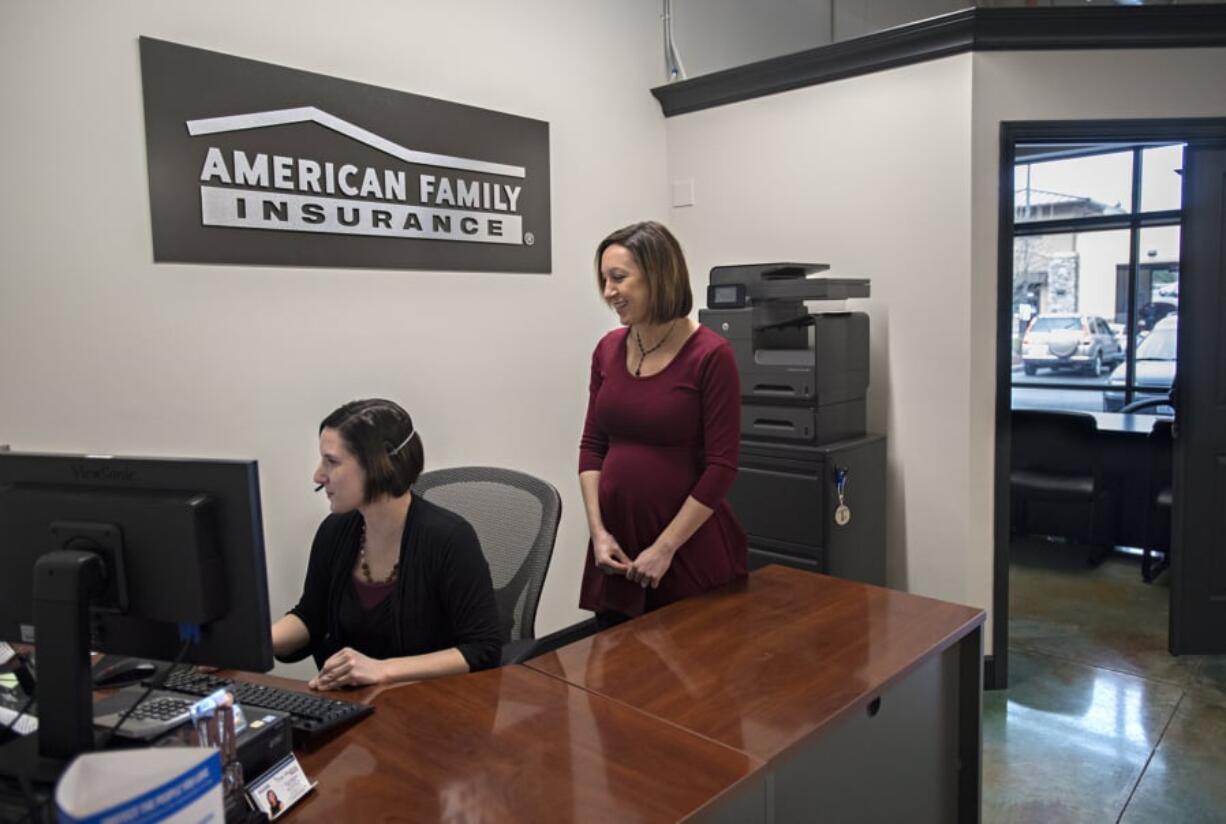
810 485
804 375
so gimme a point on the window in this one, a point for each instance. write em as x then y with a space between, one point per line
1095 274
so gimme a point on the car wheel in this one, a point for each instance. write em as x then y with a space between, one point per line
1030 368
1096 366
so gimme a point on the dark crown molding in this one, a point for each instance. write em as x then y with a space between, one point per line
1011 29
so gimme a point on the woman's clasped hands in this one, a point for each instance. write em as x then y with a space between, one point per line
646 570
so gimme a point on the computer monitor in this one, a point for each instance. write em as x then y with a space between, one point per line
165 549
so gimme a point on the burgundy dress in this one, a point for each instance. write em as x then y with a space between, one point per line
657 440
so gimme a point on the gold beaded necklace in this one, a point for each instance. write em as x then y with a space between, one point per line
365 567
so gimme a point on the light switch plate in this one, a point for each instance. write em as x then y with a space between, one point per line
683 193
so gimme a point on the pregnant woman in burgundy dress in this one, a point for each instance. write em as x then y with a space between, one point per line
660 443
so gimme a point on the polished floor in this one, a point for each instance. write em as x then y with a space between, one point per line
1100 723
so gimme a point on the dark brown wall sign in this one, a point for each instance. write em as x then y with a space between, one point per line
252 163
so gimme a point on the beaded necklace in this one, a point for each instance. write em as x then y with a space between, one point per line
365 567
643 353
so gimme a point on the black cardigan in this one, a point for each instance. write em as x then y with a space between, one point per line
445 597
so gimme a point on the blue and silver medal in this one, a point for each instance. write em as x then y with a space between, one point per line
842 512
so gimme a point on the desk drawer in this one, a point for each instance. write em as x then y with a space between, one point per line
780 505
808 558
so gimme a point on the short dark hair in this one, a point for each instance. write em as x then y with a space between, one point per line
375 430
659 255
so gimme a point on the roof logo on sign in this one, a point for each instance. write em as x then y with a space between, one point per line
310 114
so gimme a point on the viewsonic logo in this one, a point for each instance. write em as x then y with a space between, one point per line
299 194
90 472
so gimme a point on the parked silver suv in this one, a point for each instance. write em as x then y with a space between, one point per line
1070 341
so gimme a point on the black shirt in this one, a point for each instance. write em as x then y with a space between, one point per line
443 598
373 630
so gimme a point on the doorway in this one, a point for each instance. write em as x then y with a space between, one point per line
1089 273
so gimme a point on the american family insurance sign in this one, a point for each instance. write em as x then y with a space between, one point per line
251 163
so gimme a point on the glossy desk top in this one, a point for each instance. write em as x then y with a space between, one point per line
514 745
765 662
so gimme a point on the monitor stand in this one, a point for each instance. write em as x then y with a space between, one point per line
65 581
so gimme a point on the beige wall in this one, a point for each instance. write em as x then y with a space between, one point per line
1010 86
893 176
871 175
101 350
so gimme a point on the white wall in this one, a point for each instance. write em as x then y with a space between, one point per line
1049 85
712 35
101 350
871 175
855 18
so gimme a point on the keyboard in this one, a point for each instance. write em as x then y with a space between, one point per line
312 717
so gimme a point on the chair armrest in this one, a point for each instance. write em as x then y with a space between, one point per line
517 652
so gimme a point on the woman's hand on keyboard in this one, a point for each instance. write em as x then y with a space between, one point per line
348 668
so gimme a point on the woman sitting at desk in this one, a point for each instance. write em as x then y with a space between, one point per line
396 588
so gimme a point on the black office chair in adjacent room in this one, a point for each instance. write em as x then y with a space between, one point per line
1161 486
516 518
1056 478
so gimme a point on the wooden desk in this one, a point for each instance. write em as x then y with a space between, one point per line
863 702
515 745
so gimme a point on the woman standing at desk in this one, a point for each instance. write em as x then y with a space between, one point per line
396 588
661 440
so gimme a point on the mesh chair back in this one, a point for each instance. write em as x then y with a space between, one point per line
516 519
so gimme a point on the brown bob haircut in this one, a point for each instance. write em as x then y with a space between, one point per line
659 255
372 430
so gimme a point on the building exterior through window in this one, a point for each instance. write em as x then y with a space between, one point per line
1095 275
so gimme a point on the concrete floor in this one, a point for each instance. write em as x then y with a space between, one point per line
1100 723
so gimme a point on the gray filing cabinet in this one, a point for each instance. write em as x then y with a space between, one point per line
785 496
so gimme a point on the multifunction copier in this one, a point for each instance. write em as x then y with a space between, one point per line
810 488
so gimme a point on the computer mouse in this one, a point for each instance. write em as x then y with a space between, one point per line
117 671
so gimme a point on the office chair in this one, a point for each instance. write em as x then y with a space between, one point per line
1161 497
516 519
1056 478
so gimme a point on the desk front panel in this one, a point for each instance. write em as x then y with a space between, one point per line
863 702
515 745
